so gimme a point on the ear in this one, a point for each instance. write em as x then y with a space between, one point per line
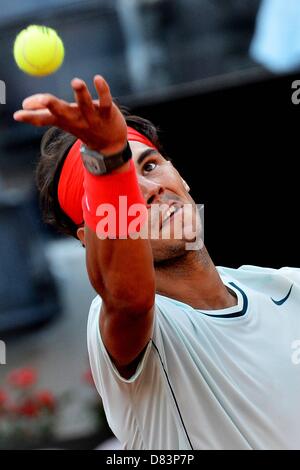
80 235
186 186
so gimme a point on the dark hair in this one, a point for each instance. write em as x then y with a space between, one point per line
55 146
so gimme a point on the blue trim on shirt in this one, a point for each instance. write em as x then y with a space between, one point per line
173 394
235 314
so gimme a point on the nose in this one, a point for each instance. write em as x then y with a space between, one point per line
151 190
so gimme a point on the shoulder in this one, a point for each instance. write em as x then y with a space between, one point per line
248 272
258 280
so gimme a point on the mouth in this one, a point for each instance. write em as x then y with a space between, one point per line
169 214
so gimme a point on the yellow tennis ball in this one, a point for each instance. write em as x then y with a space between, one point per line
38 50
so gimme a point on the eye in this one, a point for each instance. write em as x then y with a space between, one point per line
149 166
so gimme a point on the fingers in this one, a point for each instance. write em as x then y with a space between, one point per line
33 102
37 118
59 108
84 100
44 109
103 91
36 113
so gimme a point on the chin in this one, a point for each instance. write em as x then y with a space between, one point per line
167 250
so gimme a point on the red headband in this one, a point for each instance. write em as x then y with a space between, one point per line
70 187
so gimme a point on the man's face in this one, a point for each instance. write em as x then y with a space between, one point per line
172 212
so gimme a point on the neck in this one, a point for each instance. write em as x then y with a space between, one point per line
193 279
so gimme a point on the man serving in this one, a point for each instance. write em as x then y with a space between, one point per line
184 355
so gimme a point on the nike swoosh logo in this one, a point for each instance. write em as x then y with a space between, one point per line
280 302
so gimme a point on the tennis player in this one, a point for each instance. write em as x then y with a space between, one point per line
184 355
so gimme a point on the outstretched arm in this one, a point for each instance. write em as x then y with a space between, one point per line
121 270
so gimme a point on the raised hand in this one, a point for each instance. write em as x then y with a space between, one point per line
98 123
